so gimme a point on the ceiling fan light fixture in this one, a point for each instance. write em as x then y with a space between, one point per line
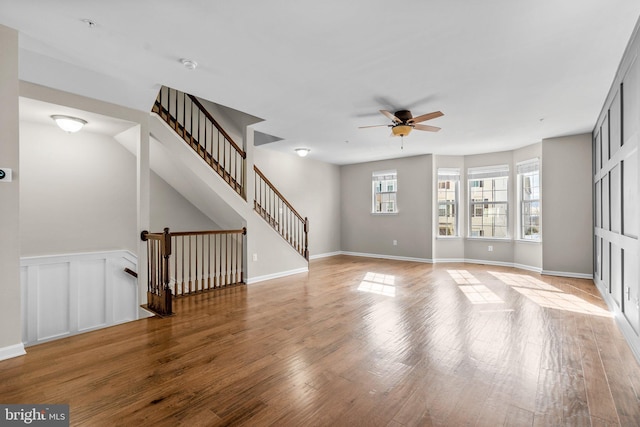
401 130
302 152
68 123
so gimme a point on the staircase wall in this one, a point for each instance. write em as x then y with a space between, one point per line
274 257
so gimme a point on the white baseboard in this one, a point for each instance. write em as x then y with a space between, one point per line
12 351
528 268
448 260
325 255
568 274
257 279
430 261
393 257
487 262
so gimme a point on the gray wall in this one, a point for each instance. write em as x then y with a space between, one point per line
78 194
170 209
567 222
414 228
364 232
10 316
616 187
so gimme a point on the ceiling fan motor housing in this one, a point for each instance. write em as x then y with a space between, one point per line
403 115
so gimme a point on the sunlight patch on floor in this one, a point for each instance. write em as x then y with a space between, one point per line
523 281
546 295
463 277
376 283
480 294
562 301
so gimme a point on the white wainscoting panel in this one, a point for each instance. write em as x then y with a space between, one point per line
64 295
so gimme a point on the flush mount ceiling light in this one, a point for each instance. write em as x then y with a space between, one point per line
189 64
89 23
302 152
68 123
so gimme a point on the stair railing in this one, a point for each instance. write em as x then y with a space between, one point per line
158 290
278 212
186 115
198 261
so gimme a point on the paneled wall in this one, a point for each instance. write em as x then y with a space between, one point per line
65 295
616 193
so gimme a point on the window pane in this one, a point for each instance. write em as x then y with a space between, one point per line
489 220
447 202
529 206
385 185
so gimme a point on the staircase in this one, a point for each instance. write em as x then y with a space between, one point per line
186 115
217 258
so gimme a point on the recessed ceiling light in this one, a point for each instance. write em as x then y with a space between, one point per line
89 22
189 64
302 152
68 123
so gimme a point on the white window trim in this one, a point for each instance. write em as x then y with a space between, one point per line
521 168
375 175
449 174
481 172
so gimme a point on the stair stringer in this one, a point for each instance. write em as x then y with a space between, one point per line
275 256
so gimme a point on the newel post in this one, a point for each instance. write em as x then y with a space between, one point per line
306 238
166 253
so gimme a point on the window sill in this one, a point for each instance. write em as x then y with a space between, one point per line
527 241
491 239
384 213
448 237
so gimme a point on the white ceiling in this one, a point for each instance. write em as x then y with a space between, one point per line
505 73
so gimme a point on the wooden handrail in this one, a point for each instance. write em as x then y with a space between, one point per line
217 125
189 119
271 205
200 260
277 193
200 233
131 272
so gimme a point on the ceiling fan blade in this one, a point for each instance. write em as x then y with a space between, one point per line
391 116
427 128
373 126
427 116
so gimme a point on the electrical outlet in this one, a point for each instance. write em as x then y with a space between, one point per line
395 243
255 257
490 248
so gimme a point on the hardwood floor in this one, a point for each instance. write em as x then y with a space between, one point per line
354 342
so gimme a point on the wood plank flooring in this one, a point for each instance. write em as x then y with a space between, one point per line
355 342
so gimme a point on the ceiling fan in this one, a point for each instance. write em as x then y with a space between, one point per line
403 122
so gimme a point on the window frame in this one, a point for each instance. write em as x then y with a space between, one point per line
448 175
524 169
377 180
476 178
